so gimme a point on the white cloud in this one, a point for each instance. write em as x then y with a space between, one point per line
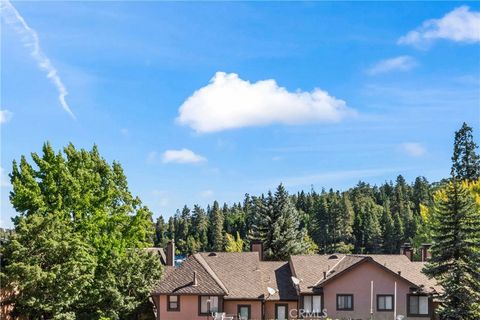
229 102
4 180
30 39
181 156
459 25
5 115
206 194
413 149
401 63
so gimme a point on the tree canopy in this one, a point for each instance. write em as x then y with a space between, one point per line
77 247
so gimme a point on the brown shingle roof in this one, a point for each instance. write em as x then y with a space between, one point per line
239 272
160 252
240 275
180 280
411 271
312 278
277 275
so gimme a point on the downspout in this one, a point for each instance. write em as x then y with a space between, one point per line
395 302
263 309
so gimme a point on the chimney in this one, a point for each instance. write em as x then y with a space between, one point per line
257 246
171 253
406 249
195 281
425 253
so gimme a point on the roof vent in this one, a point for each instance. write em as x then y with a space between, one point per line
333 256
399 273
212 254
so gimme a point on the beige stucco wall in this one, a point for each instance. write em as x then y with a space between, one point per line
357 282
270 308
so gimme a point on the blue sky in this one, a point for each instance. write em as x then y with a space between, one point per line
176 92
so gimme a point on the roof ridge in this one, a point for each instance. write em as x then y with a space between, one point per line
362 259
209 270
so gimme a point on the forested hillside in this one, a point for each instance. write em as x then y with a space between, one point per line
363 219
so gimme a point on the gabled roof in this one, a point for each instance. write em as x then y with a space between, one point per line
277 275
180 280
241 275
328 267
409 270
239 272
236 275
160 252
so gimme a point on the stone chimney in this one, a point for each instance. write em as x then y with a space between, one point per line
171 253
407 250
257 246
425 253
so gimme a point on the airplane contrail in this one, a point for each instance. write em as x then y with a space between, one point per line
30 39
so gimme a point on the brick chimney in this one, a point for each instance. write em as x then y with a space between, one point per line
407 250
195 280
171 253
257 246
425 253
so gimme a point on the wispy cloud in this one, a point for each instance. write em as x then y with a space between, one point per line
31 40
182 156
161 198
229 102
206 193
326 178
401 63
413 149
459 25
5 115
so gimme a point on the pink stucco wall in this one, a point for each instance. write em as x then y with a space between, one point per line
357 282
270 308
188 309
231 307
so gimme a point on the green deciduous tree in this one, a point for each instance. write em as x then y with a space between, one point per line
233 244
76 206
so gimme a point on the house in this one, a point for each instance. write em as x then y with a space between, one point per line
339 286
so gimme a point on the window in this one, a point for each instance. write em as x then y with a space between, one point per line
208 304
312 304
384 302
344 301
244 312
173 303
281 311
418 305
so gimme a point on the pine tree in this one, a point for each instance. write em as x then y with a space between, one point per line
277 224
160 232
465 161
388 232
200 227
455 261
421 194
216 228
